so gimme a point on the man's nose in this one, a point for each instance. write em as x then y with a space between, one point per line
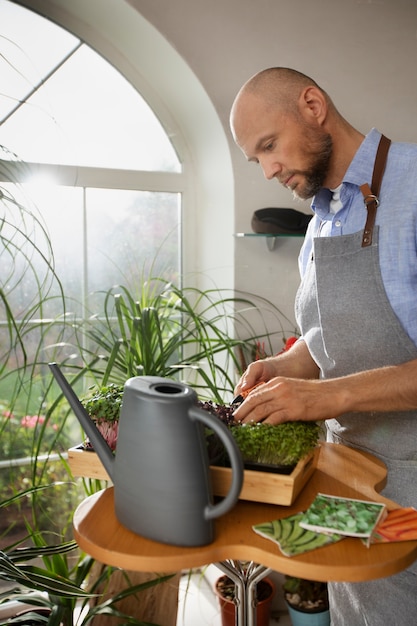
270 168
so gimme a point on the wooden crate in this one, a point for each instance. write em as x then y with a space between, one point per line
86 463
257 486
266 486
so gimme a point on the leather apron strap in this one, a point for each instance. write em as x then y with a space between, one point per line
370 194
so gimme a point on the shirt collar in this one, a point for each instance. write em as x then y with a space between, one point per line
362 166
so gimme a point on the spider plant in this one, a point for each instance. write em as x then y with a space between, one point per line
30 290
184 333
31 301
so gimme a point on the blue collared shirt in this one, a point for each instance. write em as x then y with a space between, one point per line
396 217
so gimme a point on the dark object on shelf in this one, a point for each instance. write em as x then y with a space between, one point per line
275 221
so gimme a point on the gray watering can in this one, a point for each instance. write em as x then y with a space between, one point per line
160 472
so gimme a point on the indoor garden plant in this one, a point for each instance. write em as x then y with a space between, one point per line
57 592
200 337
264 447
177 333
307 601
103 405
267 447
225 592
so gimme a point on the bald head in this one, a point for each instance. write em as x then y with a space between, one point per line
276 87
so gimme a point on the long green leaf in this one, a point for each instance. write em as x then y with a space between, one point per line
38 579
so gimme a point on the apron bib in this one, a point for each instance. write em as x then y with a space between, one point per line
348 323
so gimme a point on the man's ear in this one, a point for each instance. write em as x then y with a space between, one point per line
313 105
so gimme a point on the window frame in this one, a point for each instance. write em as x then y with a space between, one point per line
119 33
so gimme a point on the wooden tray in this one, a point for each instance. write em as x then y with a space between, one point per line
257 486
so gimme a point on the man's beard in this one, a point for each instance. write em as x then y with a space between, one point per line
322 149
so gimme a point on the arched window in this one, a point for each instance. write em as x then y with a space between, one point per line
102 170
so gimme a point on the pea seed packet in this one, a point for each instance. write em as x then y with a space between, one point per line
345 516
291 538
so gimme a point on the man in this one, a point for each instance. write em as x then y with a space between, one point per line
355 365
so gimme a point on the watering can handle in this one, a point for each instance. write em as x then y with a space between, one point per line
236 462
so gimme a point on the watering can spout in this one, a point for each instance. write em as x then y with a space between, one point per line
100 445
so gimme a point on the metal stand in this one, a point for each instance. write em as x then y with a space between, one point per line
245 576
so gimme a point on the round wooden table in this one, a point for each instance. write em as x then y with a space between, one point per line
341 471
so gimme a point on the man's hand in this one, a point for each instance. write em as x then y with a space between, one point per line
286 400
295 363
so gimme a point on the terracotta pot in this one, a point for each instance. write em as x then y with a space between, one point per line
263 608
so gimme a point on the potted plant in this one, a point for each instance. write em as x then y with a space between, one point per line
307 601
225 591
167 331
267 447
61 582
184 333
264 447
103 405
275 476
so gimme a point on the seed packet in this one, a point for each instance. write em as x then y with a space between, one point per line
291 537
399 525
345 516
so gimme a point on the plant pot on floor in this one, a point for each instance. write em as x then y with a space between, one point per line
225 592
308 618
307 601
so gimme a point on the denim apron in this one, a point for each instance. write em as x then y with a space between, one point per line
349 326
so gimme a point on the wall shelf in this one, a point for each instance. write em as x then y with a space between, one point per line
271 238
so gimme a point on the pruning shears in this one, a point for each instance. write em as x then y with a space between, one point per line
237 400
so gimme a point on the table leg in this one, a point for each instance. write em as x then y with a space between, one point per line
246 576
